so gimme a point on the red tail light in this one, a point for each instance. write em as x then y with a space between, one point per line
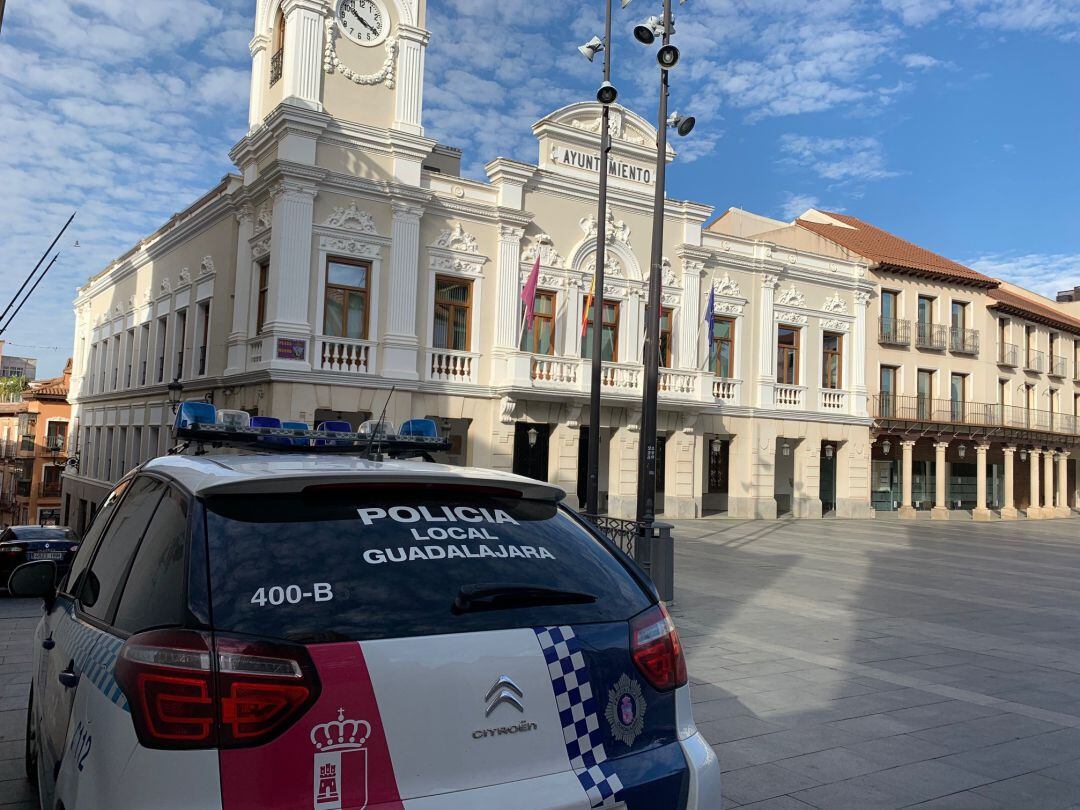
184 696
656 649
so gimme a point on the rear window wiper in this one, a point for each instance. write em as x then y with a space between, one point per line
507 595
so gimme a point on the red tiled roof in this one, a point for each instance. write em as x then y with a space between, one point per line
896 253
1033 310
56 387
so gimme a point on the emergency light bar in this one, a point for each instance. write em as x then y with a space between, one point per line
201 422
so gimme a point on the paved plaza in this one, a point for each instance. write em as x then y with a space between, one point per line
842 664
879 664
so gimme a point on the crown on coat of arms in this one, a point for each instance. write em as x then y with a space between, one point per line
341 734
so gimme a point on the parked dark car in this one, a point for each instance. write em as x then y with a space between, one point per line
22 544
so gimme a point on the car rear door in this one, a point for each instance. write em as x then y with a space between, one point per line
469 646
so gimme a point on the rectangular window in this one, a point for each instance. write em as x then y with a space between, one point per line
104 365
926 309
541 338
722 359
889 305
346 302
1029 344
162 347
264 287
453 314
609 338
832 360
665 338
957 391
203 337
129 379
959 315
887 385
144 351
180 336
925 391
1003 392
787 355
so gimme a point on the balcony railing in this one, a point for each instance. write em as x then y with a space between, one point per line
344 355
832 400
276 63
894 331
1009 354
972 414
1036 361
677 383
726 390
789 396
22 488
255 351
450 366
1058 366
964 341
49 489
930 336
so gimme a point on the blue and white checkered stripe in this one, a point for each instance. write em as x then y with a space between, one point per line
94 653
579 715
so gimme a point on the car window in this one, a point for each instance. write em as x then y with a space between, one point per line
46 533
98 589
93 536
154 591
371 563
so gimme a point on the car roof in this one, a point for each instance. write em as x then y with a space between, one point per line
252 472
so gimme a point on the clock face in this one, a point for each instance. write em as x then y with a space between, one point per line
363 21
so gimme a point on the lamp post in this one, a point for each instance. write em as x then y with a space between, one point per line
606 96
176 393
1 15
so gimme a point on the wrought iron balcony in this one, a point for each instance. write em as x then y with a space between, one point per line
894 331
981 415
1036 361
964 341
276 66
1058 366
930 336
1009 354
49 489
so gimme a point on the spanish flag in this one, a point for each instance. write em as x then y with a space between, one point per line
588 307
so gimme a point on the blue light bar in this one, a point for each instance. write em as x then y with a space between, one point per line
420 427
195 412
236 419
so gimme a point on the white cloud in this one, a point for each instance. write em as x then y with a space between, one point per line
1043 273
838 160
1059 18
921 61
795 205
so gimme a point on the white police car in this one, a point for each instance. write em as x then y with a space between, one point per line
297 626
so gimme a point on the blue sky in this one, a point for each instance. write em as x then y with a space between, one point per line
954 123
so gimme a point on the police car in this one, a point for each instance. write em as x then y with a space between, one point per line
284 618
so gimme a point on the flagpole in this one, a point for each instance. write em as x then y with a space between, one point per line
592 490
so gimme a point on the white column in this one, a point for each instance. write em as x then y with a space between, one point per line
858 353
981 512
409 78
1063 509
1008 508
767 354
238 334
259 80
1048 483
402 342
290 260
304 28
1034 512
692 316
507 326
941 509
907 511
572 333
631 328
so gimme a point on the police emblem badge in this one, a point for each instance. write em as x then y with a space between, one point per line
626 710
341 765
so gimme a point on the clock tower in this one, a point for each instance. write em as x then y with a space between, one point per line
359 61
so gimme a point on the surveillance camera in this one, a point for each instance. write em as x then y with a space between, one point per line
668 57
607 93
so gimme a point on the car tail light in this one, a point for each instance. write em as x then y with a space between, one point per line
11 549
656 649
184 695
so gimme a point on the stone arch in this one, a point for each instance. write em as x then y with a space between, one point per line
587 249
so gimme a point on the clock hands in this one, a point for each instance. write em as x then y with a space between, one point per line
363 22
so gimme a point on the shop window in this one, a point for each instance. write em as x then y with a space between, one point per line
346 301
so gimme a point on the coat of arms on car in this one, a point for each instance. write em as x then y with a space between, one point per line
341 763
626 710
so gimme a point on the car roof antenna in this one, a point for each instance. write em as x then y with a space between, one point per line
379 424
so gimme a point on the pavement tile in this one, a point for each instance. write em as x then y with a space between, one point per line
921 781
849 795
735 728
766 781
1032 790
776 803
830 765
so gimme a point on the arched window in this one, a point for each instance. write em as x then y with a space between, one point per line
278 58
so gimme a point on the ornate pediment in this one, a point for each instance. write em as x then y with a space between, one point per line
351 218
206 266
264 219
791 317
185 275
356 248
616 230
836 304
836 326
456 264
613 266
457 238
791 297
545 248
727 286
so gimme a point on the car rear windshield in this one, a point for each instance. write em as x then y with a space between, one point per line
44 533
362 563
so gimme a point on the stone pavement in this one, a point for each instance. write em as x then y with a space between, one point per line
866 664
18 618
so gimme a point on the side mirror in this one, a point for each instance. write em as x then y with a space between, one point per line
34 579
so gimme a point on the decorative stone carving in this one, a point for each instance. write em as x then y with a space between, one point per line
457 238
836 304
613 266
351 218
510 233
549 256
769 282
671 299
331 62
727 286
862 298
791 317
264 219
548 280
356 248
573 416
836 326
260 248
616 230
507 407
147 295
791 297
688 421
206 266
185 275
728 308
669 274
166 285
455 264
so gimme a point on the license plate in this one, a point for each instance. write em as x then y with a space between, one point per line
45 555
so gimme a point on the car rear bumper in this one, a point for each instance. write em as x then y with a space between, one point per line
704 774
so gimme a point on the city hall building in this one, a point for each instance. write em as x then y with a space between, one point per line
847 372
348 257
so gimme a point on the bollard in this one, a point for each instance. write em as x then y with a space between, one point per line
662 555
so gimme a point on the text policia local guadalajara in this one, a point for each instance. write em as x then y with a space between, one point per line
438 523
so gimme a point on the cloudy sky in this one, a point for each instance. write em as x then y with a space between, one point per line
954 123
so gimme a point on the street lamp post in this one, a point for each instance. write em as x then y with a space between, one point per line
592 492
646 502
1 15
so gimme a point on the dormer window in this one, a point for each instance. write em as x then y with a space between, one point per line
278 58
